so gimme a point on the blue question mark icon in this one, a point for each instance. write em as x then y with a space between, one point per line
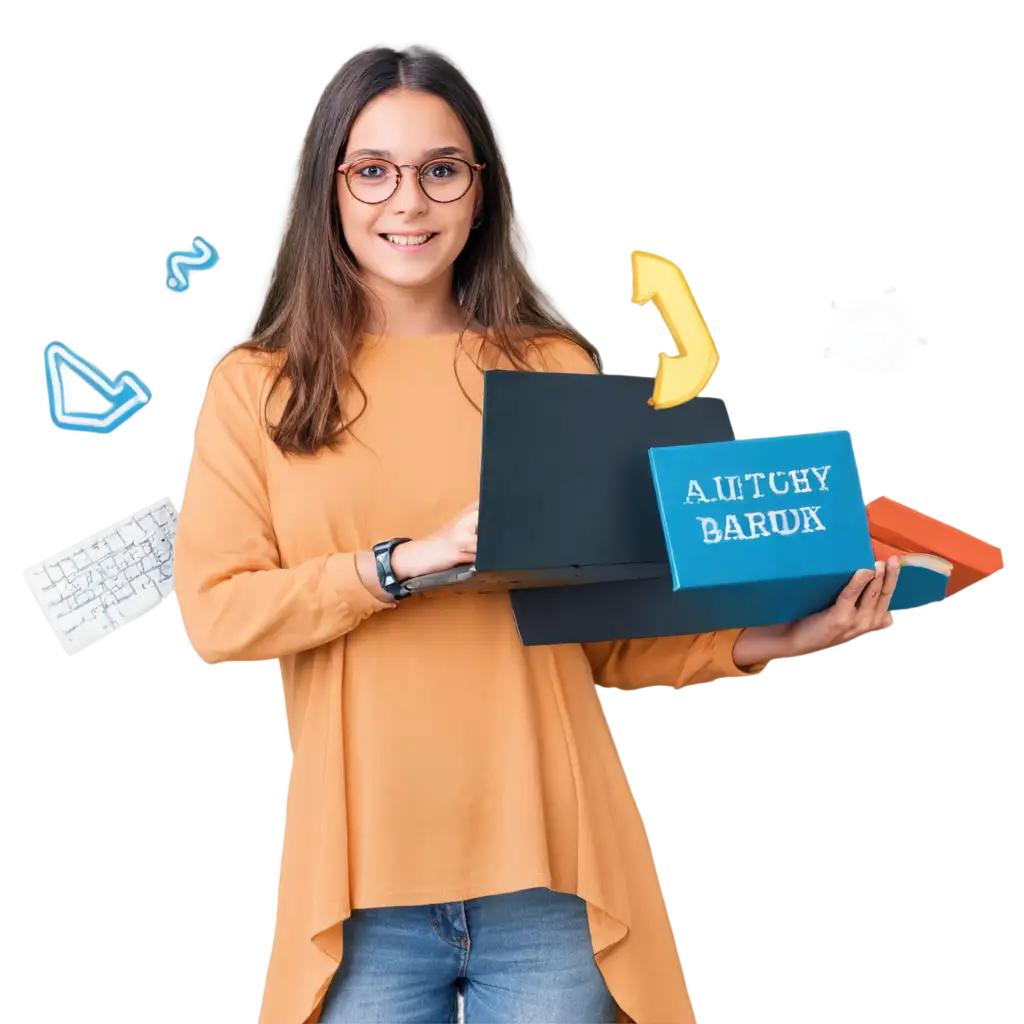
180 264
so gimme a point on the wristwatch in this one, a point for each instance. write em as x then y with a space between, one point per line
385 574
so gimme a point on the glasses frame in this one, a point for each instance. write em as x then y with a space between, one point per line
346 167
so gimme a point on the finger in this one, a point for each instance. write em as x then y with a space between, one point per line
873 613
843 613
861 620
892 565
881 617
847 600
860 579
869 597
892 574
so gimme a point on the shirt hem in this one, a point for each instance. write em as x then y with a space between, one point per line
455 893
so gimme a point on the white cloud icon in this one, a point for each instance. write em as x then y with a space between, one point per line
873 335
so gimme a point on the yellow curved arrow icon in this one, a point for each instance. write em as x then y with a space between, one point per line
683 376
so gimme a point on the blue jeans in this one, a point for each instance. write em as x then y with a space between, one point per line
520 956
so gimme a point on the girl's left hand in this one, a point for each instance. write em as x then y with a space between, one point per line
862 607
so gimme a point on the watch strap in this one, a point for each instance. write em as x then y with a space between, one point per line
385 573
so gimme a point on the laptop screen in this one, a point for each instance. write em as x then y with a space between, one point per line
565 477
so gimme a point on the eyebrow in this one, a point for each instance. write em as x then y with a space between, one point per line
428 155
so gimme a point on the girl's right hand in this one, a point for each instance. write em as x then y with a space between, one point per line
454 544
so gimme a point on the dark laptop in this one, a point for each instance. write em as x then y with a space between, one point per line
566 495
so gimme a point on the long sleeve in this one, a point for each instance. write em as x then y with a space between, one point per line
667 661
237 602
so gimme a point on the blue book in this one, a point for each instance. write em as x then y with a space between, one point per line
761 531
923 579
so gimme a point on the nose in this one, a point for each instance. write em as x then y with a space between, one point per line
409 197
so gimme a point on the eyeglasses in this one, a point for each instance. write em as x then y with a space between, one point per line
444 180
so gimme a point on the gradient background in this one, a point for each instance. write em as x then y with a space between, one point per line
839 839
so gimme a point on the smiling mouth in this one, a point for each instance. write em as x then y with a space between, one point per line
409 241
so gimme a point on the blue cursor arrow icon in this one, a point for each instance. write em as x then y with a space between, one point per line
83 398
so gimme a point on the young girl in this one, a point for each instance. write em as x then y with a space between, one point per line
457 816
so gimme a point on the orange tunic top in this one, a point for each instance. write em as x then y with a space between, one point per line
435 758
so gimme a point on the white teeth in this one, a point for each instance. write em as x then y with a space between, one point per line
408 239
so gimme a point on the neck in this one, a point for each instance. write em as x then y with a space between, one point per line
410 312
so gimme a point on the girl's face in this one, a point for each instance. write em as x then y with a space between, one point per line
409 240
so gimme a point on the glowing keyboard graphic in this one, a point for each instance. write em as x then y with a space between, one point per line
108 579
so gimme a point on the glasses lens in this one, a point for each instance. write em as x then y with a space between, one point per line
372 180
447 179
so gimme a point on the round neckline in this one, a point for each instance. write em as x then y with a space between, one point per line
421 337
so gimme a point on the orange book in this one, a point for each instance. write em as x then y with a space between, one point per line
897 529
993 514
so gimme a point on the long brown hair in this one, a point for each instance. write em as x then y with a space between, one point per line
316 308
